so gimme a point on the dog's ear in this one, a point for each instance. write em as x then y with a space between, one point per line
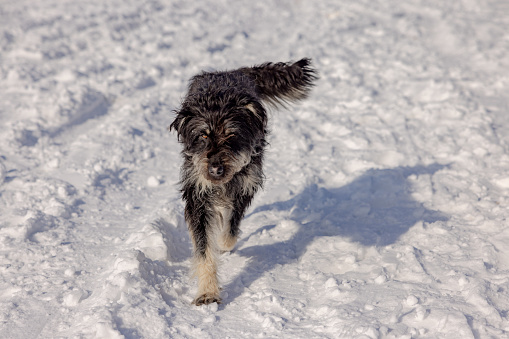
179 123
259 113
280 83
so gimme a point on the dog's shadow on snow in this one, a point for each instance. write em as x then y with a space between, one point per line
374 210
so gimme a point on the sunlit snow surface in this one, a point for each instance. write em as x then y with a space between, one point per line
384 213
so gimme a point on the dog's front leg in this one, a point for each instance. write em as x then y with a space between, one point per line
231 233
200 221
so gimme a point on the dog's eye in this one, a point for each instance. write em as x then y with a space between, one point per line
204 136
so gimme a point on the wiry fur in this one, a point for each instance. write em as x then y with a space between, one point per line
222 126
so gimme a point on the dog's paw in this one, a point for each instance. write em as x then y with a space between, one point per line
227 243
206 299
228 252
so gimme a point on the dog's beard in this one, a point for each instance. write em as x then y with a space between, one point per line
198 172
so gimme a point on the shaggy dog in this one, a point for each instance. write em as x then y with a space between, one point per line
222 124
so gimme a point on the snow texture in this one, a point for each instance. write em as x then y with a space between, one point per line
384 213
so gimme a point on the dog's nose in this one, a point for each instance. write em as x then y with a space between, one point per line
216 170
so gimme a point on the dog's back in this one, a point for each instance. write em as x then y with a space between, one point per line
275 83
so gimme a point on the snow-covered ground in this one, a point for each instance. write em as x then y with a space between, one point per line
384 213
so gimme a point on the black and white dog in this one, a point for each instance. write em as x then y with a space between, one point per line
222 125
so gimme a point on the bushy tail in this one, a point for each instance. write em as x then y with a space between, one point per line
280 83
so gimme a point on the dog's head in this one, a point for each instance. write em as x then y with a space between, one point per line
221 125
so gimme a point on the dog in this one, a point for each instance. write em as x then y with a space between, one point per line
222 125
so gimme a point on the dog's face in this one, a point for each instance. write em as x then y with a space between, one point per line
222 126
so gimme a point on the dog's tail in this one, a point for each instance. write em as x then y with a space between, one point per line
281 83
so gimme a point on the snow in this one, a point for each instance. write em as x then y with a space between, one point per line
384 213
